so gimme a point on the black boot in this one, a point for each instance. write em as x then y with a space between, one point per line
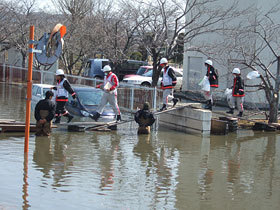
175 101
231 111
95 116
240 114
163 107
208 105
70 117
57 120
119 118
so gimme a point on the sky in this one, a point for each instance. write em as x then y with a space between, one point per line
45 4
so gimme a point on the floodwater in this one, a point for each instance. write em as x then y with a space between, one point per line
120 170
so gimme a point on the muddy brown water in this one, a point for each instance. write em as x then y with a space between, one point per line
120 170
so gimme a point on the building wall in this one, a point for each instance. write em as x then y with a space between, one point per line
193 63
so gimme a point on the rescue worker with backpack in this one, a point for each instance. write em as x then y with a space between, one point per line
145 118
168 82
62 88
109 86
238 93
212 75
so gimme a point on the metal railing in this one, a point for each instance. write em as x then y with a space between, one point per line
130 97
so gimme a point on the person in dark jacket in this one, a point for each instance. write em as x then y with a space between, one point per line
145 118
169 80
237 93
44 113
62 88
214 83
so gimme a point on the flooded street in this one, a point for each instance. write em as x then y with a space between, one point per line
120 170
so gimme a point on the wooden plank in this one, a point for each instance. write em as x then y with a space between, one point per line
16 128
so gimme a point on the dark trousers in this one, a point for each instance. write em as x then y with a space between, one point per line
60 108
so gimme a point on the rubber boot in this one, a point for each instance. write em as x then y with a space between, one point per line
175 101
163 107
119 118
95 116
69 116
208 105
57 120
240 114
231 111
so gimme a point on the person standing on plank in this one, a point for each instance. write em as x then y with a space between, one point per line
63 88
109 86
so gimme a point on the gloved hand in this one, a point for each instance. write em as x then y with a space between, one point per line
74 97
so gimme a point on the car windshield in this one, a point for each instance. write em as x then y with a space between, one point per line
142 70
89 97
148 74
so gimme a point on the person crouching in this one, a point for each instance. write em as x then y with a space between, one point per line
44 113
145 118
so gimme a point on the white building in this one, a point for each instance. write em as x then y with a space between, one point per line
194 68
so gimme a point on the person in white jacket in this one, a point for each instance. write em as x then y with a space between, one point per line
109 86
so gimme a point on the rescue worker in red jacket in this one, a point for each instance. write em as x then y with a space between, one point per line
109 86
169 80
237 93
44 113
63 88
214 83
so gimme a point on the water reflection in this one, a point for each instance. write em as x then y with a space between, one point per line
25 185
43 156
109 151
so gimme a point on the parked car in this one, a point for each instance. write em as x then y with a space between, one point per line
146 79
127 67
142 70
93 68
88 99
39 92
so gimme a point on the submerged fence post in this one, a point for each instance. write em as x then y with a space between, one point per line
155 99
4 72
132 99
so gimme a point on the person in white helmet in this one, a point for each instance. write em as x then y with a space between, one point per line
212 75
169 80
62 88
238 93
109 86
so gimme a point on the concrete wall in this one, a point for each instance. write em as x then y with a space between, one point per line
187 119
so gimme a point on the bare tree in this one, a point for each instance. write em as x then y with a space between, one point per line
165 20
256 44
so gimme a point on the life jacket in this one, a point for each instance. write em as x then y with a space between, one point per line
109 79
238 87
213 77
62 93
166 79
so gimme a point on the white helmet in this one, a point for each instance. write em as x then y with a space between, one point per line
209 62
236 71
59 72
163 60
106 68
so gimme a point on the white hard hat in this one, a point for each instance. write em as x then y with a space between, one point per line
209 62
163 60
236 71
59 72
106 68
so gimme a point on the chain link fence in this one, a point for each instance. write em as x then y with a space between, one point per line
130 97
